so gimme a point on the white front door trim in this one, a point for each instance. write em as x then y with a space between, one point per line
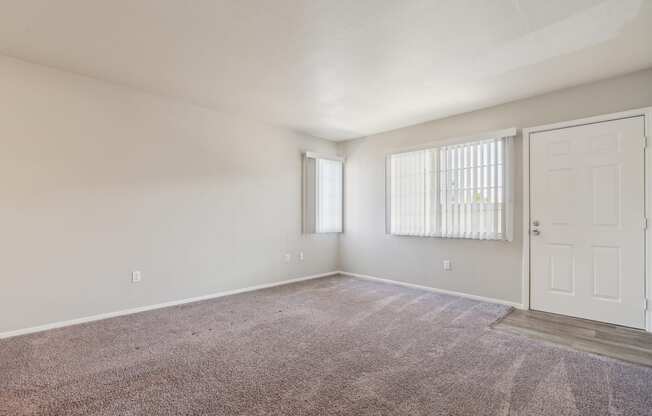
647 113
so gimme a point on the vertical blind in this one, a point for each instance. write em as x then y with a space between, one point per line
453 191
329 196
413 186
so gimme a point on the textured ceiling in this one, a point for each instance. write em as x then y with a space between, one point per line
336 69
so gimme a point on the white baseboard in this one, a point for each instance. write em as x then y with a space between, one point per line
433 289
61 324
114 314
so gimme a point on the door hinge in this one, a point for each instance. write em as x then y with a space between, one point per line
646 304
645 142
645 223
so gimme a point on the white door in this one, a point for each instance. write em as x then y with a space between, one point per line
587 232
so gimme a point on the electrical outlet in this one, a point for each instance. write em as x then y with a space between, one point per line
136 276
447 265
287 258
301 256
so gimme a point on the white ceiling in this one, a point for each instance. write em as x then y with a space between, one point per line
336 69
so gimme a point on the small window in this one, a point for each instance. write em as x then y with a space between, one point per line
462 190
322 194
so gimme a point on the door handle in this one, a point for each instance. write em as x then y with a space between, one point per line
536 232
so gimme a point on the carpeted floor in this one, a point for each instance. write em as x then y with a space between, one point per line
333 346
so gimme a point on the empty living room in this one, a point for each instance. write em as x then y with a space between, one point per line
326 207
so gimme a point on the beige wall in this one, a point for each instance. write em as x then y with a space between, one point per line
99 180
490 269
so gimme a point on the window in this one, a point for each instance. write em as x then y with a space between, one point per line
461 190
322 194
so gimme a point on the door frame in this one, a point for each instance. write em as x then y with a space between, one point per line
647 114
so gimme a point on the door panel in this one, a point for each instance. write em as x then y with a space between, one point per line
561 268
587 197
606 195
607 277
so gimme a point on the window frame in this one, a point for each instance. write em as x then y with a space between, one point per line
509 173
309 192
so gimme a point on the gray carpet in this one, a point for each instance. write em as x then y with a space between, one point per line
333 346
